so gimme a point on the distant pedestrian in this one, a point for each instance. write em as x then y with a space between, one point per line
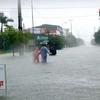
36 53
53 50
44 52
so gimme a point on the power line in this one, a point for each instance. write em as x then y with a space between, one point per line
40 15
64 17
36 11
55 7
70 16
67 7
4 11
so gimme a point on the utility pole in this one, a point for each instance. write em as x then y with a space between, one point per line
71 25
32 23
32 13
21 48
19 15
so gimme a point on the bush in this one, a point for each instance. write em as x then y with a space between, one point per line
57 41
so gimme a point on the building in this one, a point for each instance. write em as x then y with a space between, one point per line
53 29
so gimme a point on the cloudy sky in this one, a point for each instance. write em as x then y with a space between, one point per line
82 14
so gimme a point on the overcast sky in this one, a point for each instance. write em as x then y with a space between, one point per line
83 13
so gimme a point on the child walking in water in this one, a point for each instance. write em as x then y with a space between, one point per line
36 53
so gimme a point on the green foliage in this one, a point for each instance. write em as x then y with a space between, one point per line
57 41
97 36
1 41
27 37
10 35
3 52
71 41
93 42
4 20
60 41
14 37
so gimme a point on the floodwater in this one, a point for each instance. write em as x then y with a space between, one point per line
73 74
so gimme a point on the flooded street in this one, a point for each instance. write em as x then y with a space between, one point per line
73 74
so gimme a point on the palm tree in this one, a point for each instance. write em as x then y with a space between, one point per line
4 20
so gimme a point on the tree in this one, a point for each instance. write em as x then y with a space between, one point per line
15 37
4 20
1 41
11 37
93 42
57 41
71 40
97 36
